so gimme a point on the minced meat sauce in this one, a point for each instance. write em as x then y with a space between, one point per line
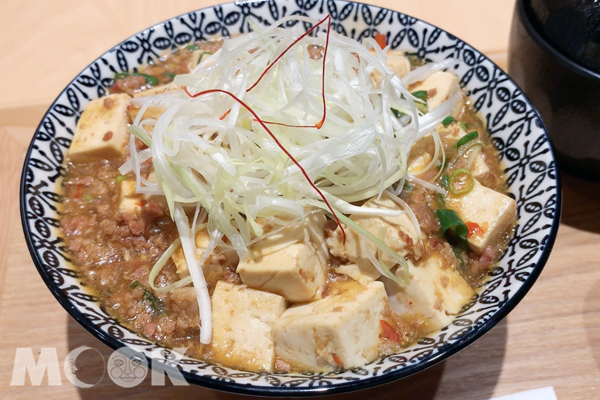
115 250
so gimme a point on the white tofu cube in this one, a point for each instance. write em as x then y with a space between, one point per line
435 292
443 85
397 62
213 267
242 326
127 189
494 212
292 263
336 332
421 154
131 206
451 135
479 169
396 231
102 129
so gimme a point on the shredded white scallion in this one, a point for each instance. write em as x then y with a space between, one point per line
210 153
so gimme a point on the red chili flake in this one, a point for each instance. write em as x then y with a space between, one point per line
380 39
107 136
388 332
78 192
225 114
474 229
287 153
338 360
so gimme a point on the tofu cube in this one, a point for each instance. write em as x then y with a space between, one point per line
243 320
421 154
292 263
452 134
336 332
397 232
131 206
443 85
494 212
102 129
214 267
128 189
479 169
397 62
435 292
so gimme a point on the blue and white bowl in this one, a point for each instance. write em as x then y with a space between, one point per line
517 132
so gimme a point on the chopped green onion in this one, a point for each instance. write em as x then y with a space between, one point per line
450 221
170 75
135 284
440 200
408 187
151 80
202 55
448 120
87 197
467 138
459 256
397 114
120 178
444 181
420 94
457 185
192 47
463 126
155 303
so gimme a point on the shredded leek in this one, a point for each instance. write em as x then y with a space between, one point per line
210 153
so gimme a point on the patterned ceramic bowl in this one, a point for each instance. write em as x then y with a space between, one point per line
515 126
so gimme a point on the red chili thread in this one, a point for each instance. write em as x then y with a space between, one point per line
319 124
261 122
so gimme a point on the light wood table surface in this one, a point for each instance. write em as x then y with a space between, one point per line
552 338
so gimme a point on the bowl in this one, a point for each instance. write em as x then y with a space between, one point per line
553 55
516 128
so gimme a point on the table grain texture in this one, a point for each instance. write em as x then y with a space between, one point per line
552 338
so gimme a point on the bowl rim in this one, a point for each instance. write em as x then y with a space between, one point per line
272 391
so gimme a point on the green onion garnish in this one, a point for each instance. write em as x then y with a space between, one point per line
155 303
444 181
461 182
120 178
463 126
88 197
202 55
420 94
170 75
151 80
467 138
448 120
397 114
450 221
192 47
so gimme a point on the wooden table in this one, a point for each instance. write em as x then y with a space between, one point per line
551 339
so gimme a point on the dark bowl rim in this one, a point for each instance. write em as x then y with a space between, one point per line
536 36
267 391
